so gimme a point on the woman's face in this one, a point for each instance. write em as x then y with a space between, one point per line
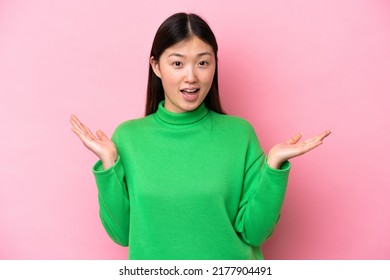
186 70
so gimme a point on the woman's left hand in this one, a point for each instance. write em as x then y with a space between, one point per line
293 148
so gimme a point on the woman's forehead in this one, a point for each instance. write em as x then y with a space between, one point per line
190 47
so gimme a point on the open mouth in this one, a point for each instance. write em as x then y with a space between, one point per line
190 91
190 94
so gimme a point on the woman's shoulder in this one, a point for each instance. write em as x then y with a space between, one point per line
233 122
132 124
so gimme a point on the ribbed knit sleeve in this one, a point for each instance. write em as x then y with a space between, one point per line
113 201
262 196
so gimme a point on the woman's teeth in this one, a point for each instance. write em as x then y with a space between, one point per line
190 90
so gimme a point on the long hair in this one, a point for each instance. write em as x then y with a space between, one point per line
176 28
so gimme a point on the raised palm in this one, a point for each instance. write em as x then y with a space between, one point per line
292 148
99 144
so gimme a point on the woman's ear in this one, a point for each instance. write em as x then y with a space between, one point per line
155 66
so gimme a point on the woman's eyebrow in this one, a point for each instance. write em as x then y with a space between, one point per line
205 53
181 55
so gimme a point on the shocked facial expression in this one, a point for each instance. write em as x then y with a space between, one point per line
186 71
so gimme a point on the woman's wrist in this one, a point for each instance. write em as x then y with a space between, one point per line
109 161
273 162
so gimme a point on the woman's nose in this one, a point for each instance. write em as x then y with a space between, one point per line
191 76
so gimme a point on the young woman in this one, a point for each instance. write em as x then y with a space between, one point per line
187 181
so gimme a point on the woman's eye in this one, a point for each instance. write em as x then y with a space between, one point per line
177 64
203 63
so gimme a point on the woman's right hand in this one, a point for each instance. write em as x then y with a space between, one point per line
100 144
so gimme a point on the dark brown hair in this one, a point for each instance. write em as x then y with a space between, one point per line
176 28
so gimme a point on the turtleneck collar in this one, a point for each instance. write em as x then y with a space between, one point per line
186 118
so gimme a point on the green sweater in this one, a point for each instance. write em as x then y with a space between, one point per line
193 185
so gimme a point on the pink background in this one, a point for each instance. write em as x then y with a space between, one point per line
286 66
